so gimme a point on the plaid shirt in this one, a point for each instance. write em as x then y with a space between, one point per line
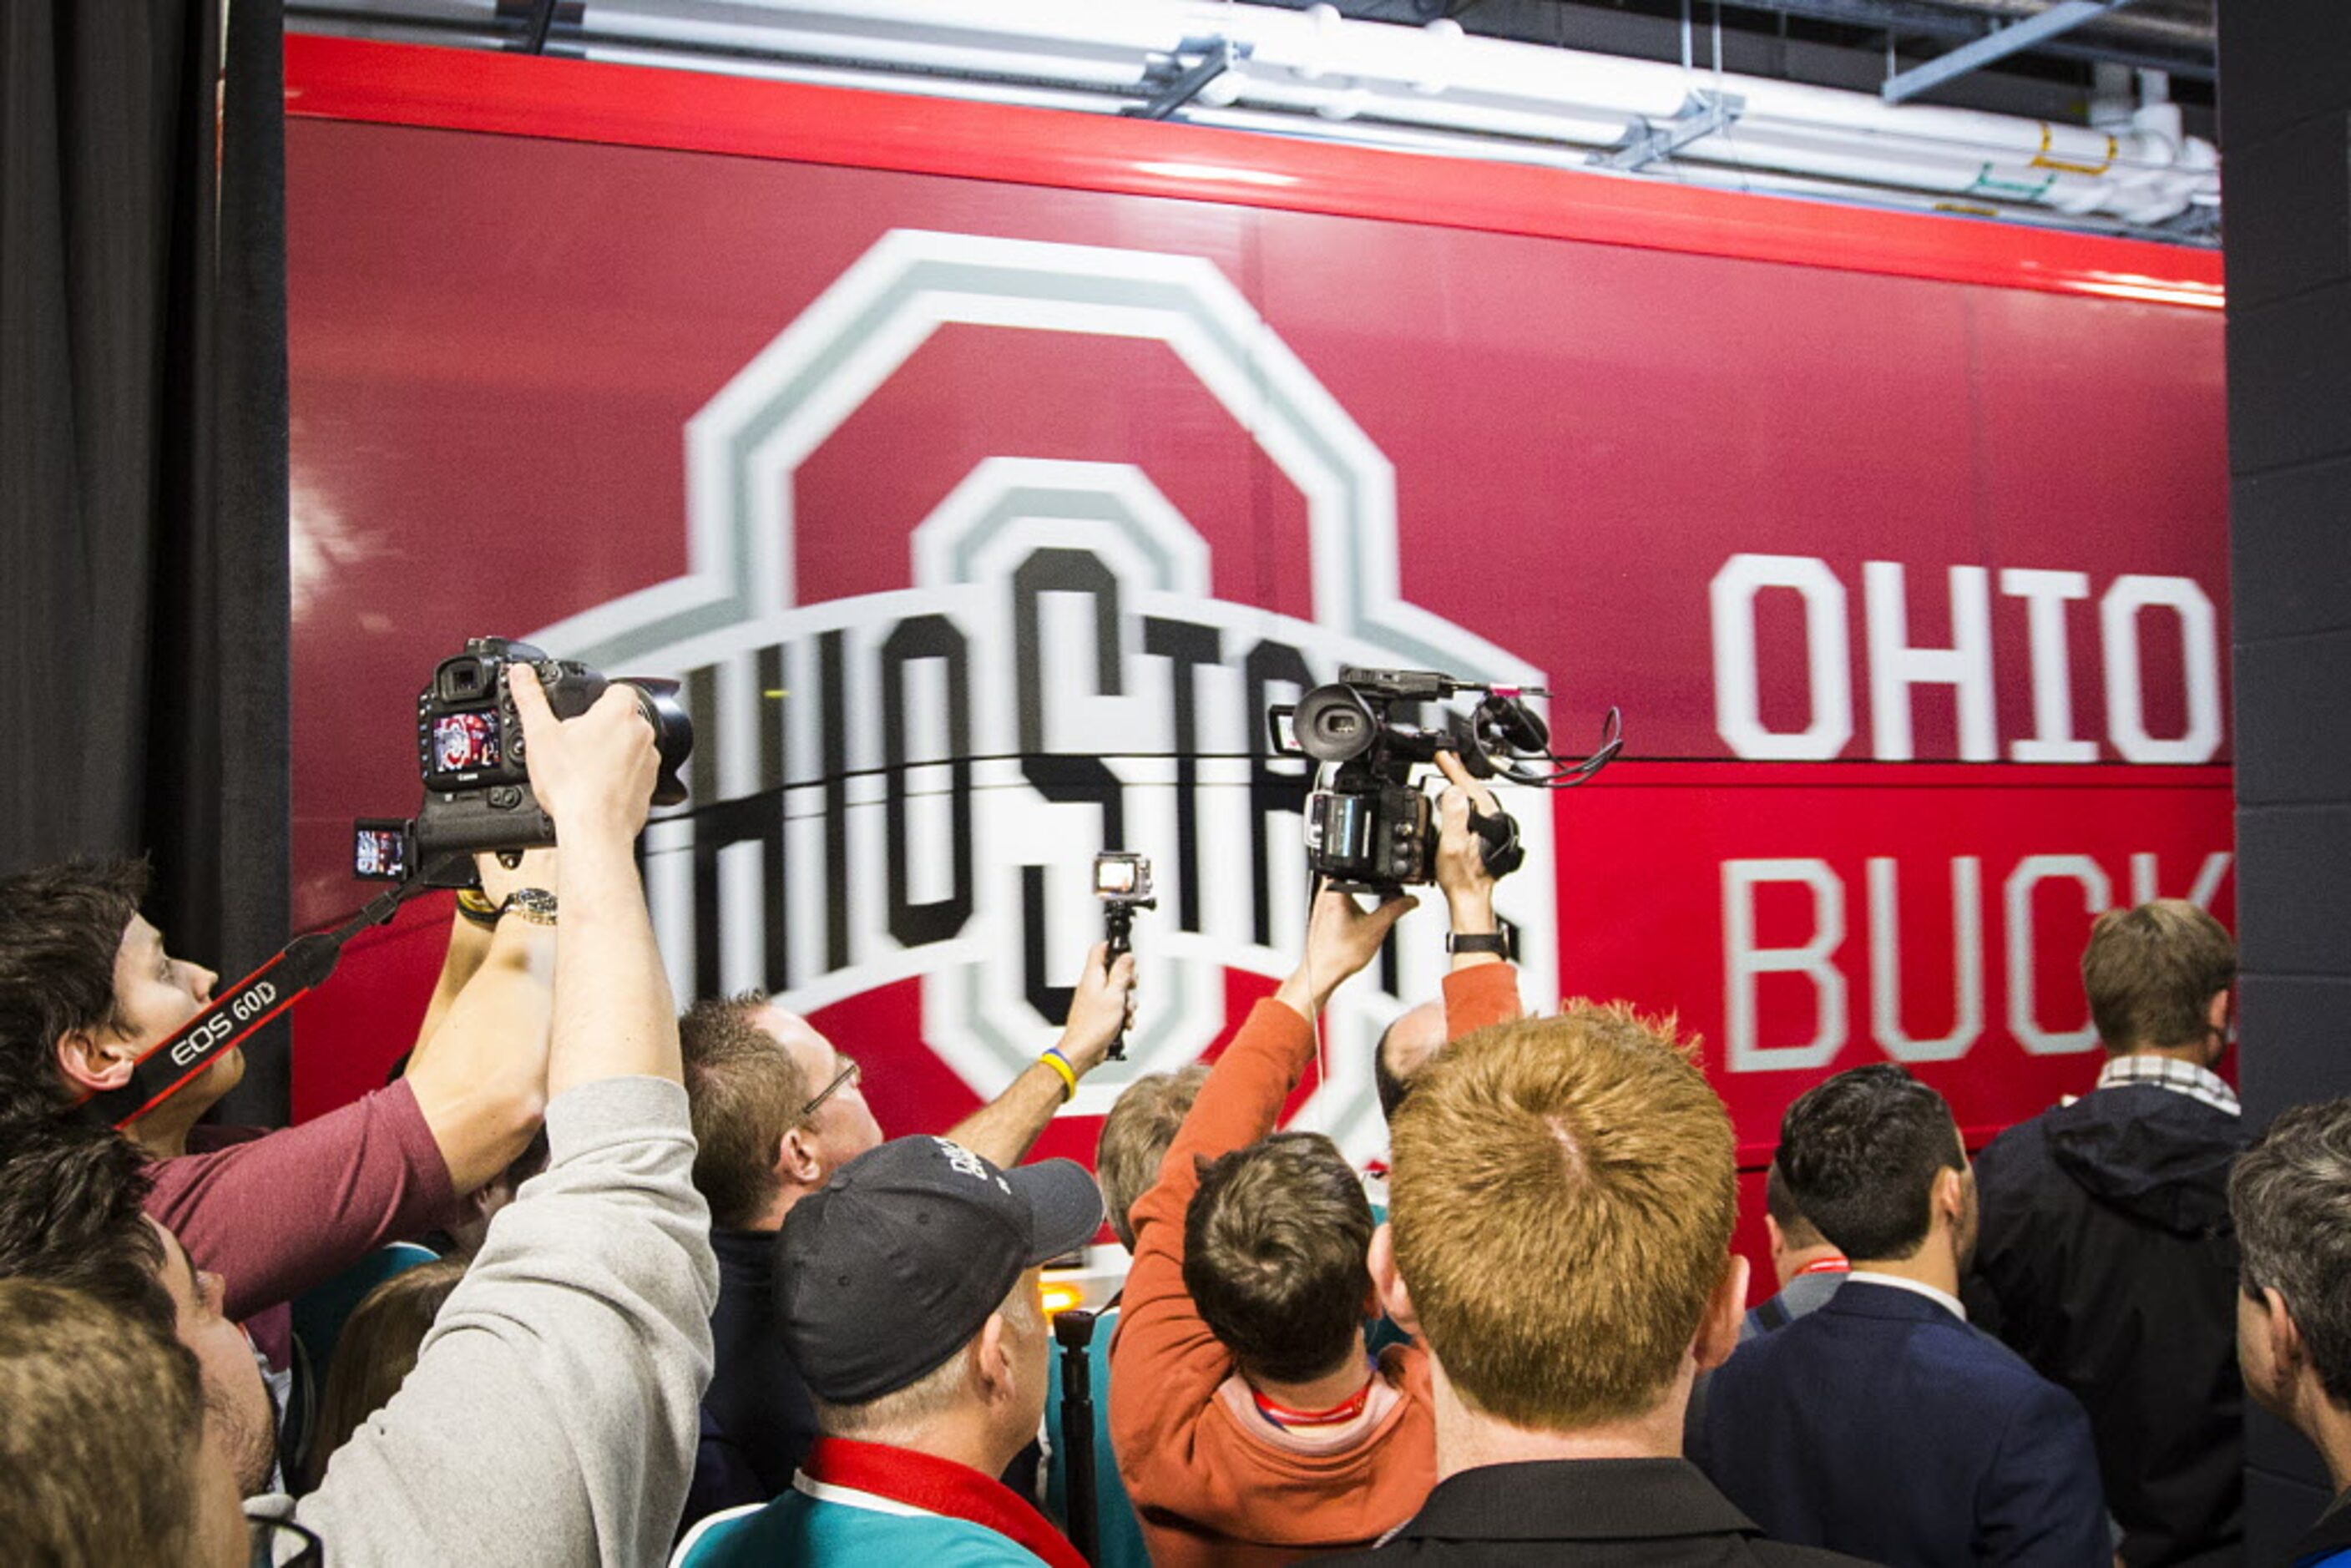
2179 1077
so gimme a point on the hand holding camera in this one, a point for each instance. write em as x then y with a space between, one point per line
1342 939
593 774
1099 1011
1468 825
483 783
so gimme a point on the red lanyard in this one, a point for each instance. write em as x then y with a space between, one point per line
1826 1266
1283 1415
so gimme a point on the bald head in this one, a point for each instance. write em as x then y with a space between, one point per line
1405 1046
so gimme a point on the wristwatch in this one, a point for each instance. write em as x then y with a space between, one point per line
1495 942
535 904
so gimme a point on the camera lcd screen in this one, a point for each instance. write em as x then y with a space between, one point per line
1114 876
463 742
380 850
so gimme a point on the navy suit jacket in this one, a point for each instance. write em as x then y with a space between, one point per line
1883 1425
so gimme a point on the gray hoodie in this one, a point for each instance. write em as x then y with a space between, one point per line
552 1416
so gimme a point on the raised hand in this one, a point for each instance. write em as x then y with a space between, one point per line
1341 938
593 774
1103 1006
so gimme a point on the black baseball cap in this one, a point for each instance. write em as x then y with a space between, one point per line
892 1265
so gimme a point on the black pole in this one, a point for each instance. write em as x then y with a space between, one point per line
1074 1330
1118 929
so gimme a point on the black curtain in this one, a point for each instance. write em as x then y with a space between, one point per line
144 597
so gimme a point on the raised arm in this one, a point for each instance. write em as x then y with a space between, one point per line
1003 1130
1482 987
479 1073
1165 1364
558 1389
613 1014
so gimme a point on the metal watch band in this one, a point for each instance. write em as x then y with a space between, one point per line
535 904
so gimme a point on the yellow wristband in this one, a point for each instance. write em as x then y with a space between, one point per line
1060 1064
476 907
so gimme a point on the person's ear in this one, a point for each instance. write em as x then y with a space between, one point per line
1726 1309
1779 1239
992 1357
93 1060
1951 1195
2287 1353
2216 1016
797 1160
1388 1286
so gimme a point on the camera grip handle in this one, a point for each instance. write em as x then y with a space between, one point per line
1499 846
1118 939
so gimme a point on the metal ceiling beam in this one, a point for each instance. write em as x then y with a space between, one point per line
2062 17
2183 55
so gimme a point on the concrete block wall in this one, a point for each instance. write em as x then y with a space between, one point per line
2286 134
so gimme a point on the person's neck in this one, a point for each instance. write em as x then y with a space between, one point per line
1788 1265
963 1435
2199 1054
1935 1264
1325 1392
771 1217
2328 1427
1469 1439
162 1132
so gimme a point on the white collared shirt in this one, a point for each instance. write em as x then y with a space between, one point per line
1943 1299
2171 1072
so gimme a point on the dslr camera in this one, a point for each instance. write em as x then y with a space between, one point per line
1369 827
471 753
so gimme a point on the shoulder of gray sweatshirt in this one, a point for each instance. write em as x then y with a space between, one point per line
553 1412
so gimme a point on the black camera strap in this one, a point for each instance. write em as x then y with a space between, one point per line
240 1010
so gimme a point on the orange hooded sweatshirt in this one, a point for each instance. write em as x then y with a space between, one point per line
1211 1482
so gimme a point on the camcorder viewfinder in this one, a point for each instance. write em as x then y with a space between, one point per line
1369 827
473 759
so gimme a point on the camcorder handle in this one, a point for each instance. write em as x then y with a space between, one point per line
236 1013
1498 846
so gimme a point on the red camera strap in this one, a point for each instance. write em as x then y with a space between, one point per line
236 1012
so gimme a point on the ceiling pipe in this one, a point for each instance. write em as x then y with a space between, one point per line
1313 72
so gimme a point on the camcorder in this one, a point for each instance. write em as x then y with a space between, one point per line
1369 827
472 756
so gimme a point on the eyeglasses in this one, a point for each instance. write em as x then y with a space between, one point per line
847 1075
282 1543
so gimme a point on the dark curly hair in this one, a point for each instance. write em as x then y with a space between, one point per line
70 1195
60 929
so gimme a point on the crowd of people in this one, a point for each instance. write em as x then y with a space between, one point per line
687 1302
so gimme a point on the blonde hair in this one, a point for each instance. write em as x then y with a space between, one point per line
1562 1201
1135 1139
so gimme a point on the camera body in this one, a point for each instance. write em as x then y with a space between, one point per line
472 754
1365 831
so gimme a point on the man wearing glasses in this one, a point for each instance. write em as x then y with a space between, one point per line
778 1108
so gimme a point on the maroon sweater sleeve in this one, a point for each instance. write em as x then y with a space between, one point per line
278 1214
